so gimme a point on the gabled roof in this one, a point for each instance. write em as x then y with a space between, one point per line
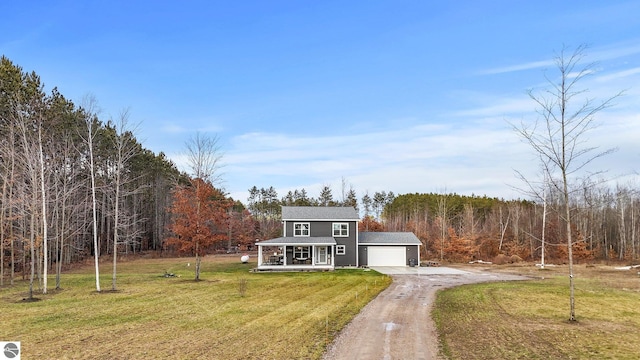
388 238
319 213
302 240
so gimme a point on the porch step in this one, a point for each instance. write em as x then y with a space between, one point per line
290 270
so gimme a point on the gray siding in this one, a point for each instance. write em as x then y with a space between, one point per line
351 250
413 252
362 256
325 229
316 228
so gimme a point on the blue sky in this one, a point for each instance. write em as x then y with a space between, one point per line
402 96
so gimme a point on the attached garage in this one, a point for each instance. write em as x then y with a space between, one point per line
388 249
387 255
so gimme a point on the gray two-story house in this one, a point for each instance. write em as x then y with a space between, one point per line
323 238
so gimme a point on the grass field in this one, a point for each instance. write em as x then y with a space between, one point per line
529 320
279 316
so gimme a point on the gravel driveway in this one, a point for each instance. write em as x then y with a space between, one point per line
397 323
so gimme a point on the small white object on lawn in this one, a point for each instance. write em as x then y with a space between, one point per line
244 258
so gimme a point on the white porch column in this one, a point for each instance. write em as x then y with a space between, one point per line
284 255
333 254
313 255
259 255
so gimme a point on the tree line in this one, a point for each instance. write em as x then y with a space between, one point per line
76 185
464 228
459 228
73 184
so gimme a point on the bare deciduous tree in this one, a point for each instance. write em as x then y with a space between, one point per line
559 135
204 158
125 149
90 109
443 221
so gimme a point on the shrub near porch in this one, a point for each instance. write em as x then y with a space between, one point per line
280 315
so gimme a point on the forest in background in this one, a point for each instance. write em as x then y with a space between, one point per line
51 147
45 175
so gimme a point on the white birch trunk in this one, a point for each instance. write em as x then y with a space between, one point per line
43 194
95 216
544 222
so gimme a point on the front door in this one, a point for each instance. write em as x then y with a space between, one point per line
321 257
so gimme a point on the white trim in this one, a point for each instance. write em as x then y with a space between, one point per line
357 249
344 250
388 244
340 229
386 256
297 267
323 220
302 229
317 253
308 251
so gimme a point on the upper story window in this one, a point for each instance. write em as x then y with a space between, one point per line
340 229
300 229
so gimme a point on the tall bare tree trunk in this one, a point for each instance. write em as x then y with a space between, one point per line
544 223
28 160
503 227
3 205
11 230
125 151
96 250
115 231
560 139
567 214
43 194
90 104
633 231
442 212
32 246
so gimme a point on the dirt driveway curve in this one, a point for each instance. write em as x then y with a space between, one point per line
397 324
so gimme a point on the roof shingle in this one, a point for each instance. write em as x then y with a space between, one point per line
313 240
319 213
390 238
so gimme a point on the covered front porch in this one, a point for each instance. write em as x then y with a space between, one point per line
296 254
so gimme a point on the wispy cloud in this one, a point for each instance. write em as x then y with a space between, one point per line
498 107
610 52
517 67
618 75
410 158
615 51
476 151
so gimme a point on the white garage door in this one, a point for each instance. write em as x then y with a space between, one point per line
387 256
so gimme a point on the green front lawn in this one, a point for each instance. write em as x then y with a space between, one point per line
280 315
529 319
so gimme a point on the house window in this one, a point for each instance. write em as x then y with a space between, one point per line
301 229
341 249
340 229
301 252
